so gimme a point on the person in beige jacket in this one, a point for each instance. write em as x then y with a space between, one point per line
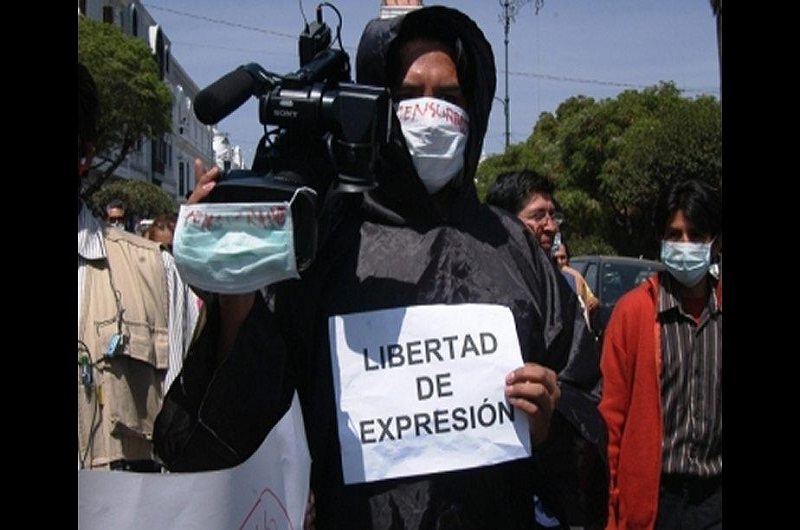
135 320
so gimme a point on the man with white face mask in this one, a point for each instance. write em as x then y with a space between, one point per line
421 240
436 134
662 376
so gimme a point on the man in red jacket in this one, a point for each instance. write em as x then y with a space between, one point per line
662 376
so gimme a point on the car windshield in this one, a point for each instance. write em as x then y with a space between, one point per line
618 278
609 277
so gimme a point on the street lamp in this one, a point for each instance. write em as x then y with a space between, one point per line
510 8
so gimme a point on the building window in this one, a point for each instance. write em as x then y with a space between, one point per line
181 179
169 155
159 155
134 21
108 14
157 45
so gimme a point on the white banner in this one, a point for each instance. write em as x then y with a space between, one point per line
269 490
421 390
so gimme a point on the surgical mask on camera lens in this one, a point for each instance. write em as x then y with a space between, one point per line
235 248
436 134
688 262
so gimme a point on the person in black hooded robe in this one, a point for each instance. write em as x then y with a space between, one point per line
414 240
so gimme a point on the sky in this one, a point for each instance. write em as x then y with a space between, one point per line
594 48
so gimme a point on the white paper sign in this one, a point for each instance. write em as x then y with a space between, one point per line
421 390
268 491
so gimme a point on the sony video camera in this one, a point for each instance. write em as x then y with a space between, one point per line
328 132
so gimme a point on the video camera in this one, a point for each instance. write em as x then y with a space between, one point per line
328 131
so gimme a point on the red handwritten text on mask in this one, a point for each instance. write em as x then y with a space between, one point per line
272 217
433 110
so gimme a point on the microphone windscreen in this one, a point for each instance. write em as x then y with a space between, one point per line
223 96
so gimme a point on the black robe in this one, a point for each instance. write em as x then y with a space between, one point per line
394 247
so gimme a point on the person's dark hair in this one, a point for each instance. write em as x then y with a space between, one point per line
164 221
700 203
88 109
115 203
566 250
432 28
512 190
556 204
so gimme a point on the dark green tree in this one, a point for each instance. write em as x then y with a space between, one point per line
143 200
610 158
684 141
134 101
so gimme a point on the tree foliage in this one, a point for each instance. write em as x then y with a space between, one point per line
610 158
134 101
143 200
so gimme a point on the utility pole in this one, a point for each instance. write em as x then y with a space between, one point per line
510 8
716 7
507 23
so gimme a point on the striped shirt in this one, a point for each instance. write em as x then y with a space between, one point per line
691 383
183 306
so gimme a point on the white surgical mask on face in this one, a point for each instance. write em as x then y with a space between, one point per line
436 134
688 262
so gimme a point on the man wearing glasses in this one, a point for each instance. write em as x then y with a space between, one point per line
115 214
530 196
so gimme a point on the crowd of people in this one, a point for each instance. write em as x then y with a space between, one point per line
623 433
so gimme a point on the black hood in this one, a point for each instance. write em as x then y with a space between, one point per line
478 82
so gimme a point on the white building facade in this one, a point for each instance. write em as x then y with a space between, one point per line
227 156
167 161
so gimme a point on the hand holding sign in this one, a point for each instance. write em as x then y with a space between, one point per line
419 390
532 388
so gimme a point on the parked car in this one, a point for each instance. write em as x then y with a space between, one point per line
609 277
